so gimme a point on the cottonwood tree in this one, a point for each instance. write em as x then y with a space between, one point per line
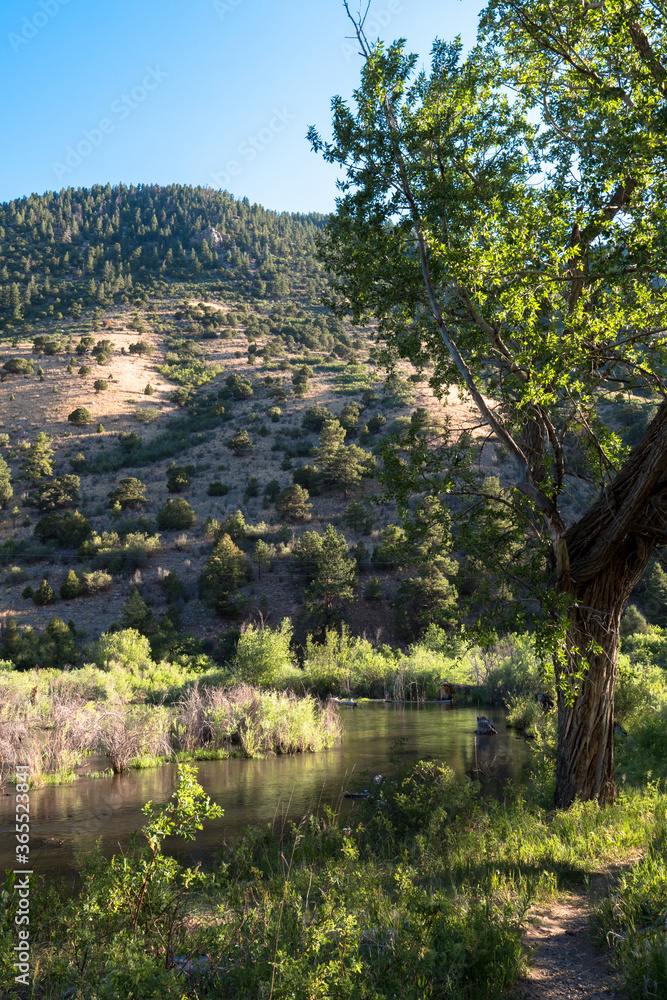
504 220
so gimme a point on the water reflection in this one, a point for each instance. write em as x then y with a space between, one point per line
71 818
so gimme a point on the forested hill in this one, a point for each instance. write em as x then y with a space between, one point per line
85 248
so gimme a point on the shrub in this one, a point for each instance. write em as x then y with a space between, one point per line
102 351
141 347
80 416
96 581
217 489
373 591
275 413
78 461
85 370
100 385
19 366
68 530
130 492
27 593
149 390
272 490
129 441
175 514
240 444
127 649
147 415
240 388
263 656
179 477
315 417
44 594
252 488
60 492
172 588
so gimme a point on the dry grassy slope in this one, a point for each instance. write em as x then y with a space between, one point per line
37 407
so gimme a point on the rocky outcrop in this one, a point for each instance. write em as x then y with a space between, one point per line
211 235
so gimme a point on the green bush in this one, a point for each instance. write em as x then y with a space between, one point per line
130 492
179 477
80 416
100 385
68 530
264 659
96 581
176 514
217 489
240 444
146 415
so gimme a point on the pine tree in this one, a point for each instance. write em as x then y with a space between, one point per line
342 465
336 571
137 615
225 572
6 491
38 461
44 594
656 596
71 587
261 556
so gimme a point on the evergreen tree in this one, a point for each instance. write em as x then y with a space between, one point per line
656 595
342 465
38 461
335 573
6 491
225 572
44 594
71 587
137 615
292 503
240 444
130 492
359 516
261 556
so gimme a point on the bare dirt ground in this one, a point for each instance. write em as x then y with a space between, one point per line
565 962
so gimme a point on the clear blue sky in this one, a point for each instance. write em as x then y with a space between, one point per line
217 92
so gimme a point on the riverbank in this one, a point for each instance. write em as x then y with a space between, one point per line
422 891
67 719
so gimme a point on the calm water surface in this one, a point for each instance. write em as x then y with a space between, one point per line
70 818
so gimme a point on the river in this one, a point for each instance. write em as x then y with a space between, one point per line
65 819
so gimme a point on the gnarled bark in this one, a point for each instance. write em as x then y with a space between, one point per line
609 549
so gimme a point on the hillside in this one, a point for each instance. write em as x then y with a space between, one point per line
115 317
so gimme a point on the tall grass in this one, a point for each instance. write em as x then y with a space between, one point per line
92 709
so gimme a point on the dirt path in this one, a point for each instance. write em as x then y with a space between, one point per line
565 963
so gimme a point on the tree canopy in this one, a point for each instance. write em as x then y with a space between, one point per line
503 218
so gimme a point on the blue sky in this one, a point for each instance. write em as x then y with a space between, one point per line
217 92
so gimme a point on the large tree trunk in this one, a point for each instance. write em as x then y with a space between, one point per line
608 551
585 763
